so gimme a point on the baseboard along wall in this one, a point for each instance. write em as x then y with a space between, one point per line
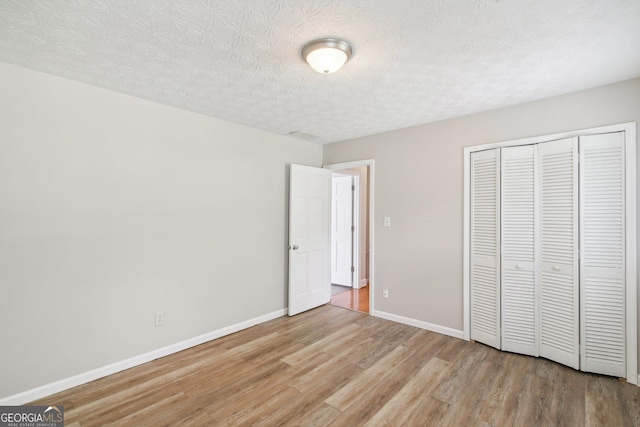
419 324
83 378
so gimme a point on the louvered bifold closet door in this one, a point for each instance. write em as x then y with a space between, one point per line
602 253
518 250
485 238
558 281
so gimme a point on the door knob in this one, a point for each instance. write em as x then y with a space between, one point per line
518 266
294 247
556 268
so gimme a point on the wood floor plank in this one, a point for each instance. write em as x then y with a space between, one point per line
533 400
386 387
324 372
420 339
323 415
466 365
231 405
318 329
604 404
256 414
313 397
385 344
408 397
567 398
465 405
343 335
372 325
630 401
238 402
348 369
122 400
428 411
364 345
602 411
500 395
235 384
173 410
345 397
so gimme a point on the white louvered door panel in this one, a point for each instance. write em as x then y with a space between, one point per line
485 249
602 252
558 280
518 236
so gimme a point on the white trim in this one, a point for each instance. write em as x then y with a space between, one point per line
626 127
76 380
455 333
363 283
466 330
631 285
355 236
371 182
631 252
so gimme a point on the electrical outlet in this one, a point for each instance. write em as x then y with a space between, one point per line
385 293
159 318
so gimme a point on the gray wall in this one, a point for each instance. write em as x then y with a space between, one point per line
112 208
419 184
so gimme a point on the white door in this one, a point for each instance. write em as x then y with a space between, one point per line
485 247
519 230
342 230
558 291
602 250
309 238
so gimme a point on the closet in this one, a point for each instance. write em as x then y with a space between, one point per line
547 250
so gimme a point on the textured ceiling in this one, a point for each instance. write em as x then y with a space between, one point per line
415 61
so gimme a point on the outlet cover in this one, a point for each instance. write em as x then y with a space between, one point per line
159 318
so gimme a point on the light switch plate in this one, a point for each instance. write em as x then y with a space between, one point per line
387 221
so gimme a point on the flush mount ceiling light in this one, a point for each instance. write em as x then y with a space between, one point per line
327 55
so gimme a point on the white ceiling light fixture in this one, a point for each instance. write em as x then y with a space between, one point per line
327 55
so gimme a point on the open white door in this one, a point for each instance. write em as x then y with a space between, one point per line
309 238
342 263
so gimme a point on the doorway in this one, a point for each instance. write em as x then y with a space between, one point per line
351 240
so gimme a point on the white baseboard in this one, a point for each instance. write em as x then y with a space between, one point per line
76 380
419 324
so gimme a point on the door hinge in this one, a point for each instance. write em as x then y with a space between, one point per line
353 228
353 188
353 269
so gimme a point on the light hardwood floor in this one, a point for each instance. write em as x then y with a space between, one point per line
354 299
332 366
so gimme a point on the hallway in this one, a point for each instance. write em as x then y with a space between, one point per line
354 299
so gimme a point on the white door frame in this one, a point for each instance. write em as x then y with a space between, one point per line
355 284
371 183
631 297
